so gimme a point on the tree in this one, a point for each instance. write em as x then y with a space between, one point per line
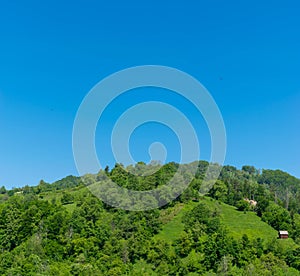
2 190
243 205
250 170
219 191
277 217
67 198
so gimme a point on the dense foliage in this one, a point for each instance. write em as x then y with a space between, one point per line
62 229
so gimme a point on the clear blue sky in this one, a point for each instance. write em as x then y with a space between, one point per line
246 53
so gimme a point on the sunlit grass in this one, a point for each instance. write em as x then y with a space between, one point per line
237 223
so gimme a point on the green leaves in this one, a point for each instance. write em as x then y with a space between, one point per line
63 229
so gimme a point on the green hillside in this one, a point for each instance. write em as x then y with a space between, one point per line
63 229
173 225
238 223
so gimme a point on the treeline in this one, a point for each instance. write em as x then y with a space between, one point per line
62 229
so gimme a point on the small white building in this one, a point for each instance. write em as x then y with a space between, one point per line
283 234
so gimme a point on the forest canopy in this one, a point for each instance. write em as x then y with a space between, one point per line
63 229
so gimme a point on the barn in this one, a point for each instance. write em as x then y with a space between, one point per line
283 234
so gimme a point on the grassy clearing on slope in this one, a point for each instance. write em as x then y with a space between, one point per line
173 228
70 207
240 223
57 195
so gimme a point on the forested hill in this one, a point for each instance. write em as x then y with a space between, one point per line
62 229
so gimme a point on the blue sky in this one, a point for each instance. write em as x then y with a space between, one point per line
53 52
